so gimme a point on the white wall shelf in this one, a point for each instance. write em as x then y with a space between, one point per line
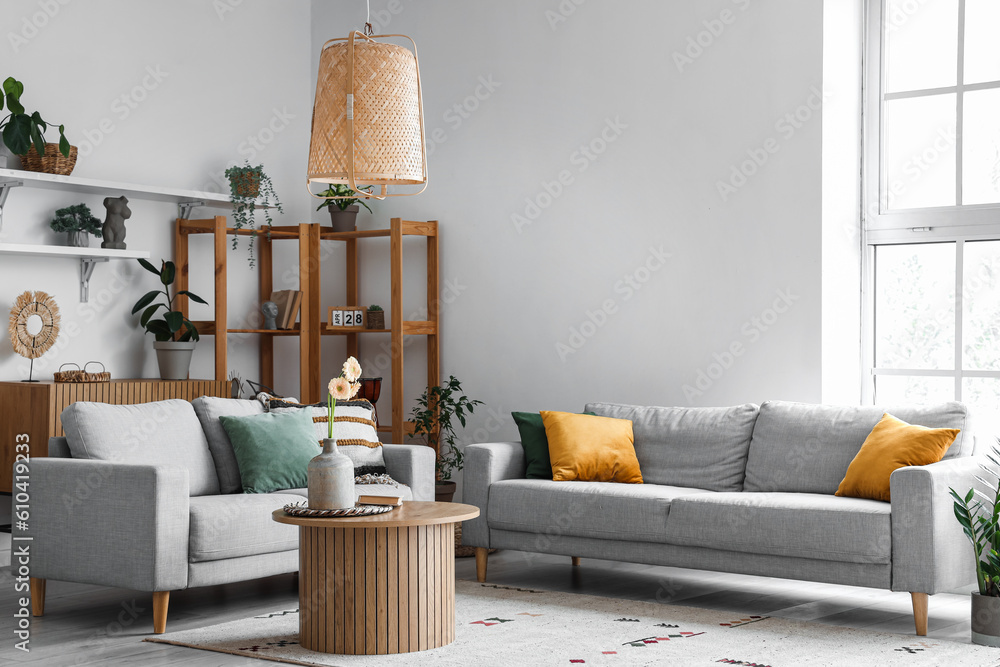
89 257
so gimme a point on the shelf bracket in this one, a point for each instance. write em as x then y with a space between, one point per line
184 208
5 188
87 265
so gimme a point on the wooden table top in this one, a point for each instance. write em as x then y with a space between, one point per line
410 513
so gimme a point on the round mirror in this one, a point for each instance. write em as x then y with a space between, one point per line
34 325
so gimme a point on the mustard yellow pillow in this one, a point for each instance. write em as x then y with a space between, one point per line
892 444
587 448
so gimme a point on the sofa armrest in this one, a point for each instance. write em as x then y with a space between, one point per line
412 465
930 553
486 463
111 524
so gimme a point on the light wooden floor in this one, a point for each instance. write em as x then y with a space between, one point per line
90 625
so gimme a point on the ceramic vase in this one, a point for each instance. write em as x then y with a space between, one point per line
331 479
985 620
78 239
174 359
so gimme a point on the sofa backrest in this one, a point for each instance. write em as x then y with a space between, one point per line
703 448
804 448
209 409
164 433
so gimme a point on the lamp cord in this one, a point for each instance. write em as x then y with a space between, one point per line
368 18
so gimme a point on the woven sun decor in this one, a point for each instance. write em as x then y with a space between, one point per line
28 304
368 119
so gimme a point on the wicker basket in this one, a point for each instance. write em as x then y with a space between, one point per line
80 376
375 319
53 162
247 185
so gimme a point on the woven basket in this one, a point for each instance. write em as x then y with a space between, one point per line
80 376
53 162
375 319
247 185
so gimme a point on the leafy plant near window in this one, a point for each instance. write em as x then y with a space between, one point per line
21 129
172 321
76 218
248 186
979 516
433 421
341 190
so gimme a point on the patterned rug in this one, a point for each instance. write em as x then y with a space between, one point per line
505 626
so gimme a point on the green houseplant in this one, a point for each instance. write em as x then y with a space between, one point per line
979 515
175 334
375 317
78 223
344 212
434 418
23 132
250 186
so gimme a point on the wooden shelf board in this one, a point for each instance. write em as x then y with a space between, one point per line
409 228
67 251
387 428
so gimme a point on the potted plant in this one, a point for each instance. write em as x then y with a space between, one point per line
24 135
78 223
979 516
175 334
249 187
433 422
344 212
375 317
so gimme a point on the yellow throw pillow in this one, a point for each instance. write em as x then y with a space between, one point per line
892 444
587 448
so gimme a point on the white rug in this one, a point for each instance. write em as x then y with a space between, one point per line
504 626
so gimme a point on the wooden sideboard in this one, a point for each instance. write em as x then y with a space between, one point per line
34 409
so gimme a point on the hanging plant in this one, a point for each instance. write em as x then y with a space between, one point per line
249 187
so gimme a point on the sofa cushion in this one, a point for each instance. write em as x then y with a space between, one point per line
164 433
807 448
705 448
235 525
800 525
601 510
588 448
401 491
209 409
274 451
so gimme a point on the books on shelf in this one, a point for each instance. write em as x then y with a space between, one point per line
380 500
289 303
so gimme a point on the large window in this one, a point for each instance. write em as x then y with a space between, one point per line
932 213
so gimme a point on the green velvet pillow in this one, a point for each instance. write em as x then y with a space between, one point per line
273 450
535 444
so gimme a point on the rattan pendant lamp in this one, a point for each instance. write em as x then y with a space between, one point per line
368 119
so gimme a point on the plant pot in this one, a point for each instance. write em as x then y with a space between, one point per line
444 492
985 620
331 479
174 359
78 239
375 319
346 220
53 162
247 185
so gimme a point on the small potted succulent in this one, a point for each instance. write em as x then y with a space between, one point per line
78 223
432 422
979 515
343 212
24 135
250 186
375 317
175 334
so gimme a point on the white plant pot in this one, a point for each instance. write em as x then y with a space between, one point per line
174 359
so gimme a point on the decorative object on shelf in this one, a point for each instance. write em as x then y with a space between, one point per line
433 417
371 389
344 210
78 223
979 515
34 326
236 384
175 334
379 139
375 317
289 302
81 375
270 311
24 134
247 185
346 317
114 223
331 474
301 509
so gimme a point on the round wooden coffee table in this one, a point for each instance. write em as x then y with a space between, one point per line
378 584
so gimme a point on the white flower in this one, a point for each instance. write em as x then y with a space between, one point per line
352 369
340 389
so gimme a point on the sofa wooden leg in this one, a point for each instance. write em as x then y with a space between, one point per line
920 612
37 596
482 553
576 561
161 600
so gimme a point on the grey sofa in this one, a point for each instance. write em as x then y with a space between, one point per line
148 497
744 489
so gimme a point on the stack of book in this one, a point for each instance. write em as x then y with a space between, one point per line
289 303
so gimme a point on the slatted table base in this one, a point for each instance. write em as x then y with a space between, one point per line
376 590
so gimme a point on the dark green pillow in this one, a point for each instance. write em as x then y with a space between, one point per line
273 450
535 444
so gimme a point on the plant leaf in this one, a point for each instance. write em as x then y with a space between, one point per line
160 329
17 134
167 275
175 320
146 299
193 297
149 312
149 267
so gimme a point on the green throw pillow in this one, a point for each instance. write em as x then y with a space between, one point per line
273 450
535 444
